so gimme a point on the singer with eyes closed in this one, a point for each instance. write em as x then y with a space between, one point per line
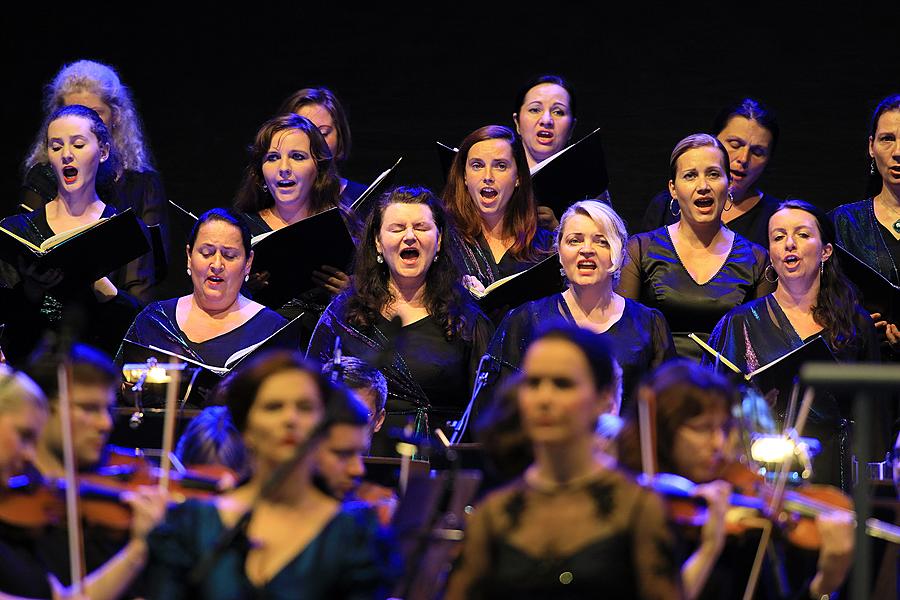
591 242
407 315
214 321
695 270
749 131
294 540
488 194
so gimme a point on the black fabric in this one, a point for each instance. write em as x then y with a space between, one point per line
478 261
688 306
859 232
753 224
22 571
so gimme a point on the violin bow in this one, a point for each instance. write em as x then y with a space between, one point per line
647 431
778 494
168 441
73 520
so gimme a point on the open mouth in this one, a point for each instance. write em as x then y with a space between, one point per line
215 279
791 260
409 255
586 265
544 136
704 202
70 174
736 174
488 193
286 183
895 170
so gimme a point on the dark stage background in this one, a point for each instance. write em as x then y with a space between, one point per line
204 84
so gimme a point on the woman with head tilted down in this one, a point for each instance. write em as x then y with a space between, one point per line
81 154
23 552
749 132
812 297
572 526
214 321
291 177
134 183
695 270
298 542
321 106
870 229
693 428
488 194
407 315
591 241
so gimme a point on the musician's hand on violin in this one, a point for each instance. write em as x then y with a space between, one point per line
836 529
332 279
148 505
717 495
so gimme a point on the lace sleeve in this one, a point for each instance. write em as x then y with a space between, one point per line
658 573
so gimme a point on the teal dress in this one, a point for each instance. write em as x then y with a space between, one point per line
351 558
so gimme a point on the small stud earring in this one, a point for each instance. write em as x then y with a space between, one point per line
436 254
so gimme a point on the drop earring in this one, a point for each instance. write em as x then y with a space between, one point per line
189 271
379 258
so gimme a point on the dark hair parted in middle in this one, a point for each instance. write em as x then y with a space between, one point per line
252 197
752 110
444 297
520 220
837 301
109 169
90 366
326 99
221 214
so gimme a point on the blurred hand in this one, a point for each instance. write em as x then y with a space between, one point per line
332 279
258 281
890 330
717 495
35 282
471 283
836 554
148 505
546 218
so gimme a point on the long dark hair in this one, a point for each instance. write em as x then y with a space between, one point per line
892 102
326 190
445 298
837 301
520 220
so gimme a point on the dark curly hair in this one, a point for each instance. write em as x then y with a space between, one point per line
326 190
445 298
520 220
837 302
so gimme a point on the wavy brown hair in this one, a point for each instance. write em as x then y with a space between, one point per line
326 191
520 219
445 298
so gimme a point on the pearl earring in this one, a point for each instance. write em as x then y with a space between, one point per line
379 258
189 271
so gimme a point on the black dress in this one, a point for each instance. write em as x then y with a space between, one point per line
753 224
756 333
478 260
654 275
140 190
115 315
603 538
640 339
429 377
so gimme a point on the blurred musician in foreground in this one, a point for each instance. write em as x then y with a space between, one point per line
296 537
572 526
693 424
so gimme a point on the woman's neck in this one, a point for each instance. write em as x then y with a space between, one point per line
216 312
294 488
411 292
76 204
288 213
594 301
889 196
492 227
697 235
565 462
798 295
